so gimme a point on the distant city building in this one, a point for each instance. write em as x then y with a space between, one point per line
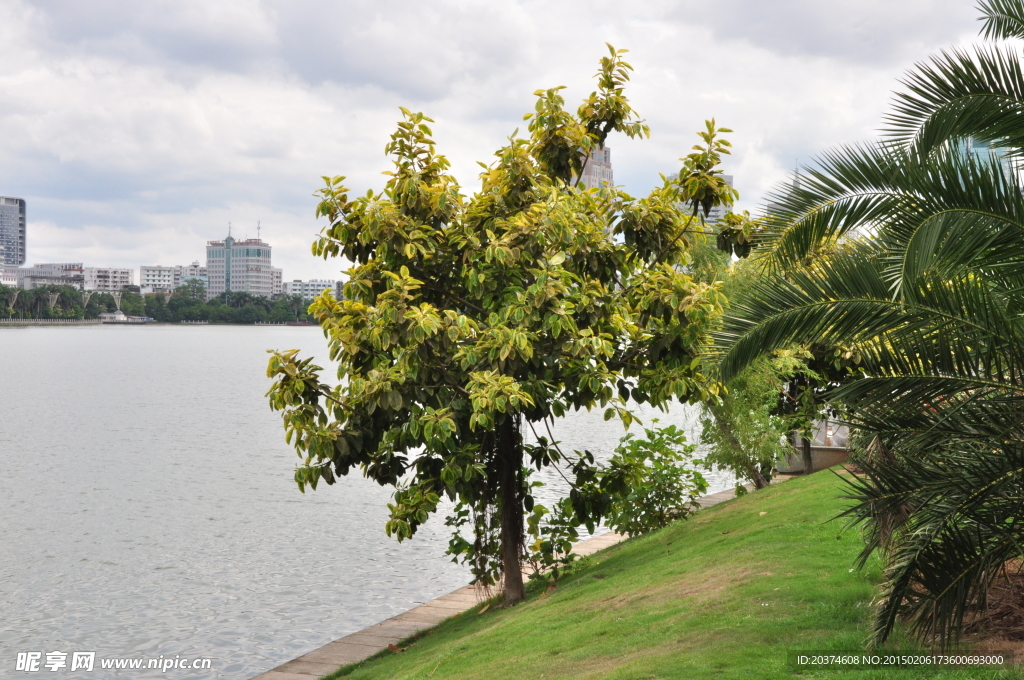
107 279
339 290
12 231
156 279
277 286
985 151
190 272
598 171
240 266
57 269
159 279
52 274
8 276
309 289
117 316
718 212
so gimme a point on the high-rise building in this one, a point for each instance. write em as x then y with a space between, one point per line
240 266
107 279
309 289
278 286
598 171
12 231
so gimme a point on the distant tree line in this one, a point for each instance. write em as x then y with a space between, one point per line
186 303
189 303
63 302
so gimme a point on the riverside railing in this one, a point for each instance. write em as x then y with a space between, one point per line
49 322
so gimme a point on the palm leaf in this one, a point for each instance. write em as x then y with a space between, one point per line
958 94
1003 19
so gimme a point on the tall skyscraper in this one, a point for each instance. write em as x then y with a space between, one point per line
239 266
12 231
598 171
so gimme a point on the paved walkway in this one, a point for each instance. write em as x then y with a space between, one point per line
367 642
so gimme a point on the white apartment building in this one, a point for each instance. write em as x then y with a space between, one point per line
184 273
308 289
51 274
240 266
8 276
598 171
156 279
277 286
107 278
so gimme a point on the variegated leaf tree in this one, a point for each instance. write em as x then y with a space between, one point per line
466 319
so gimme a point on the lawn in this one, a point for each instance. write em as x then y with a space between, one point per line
723 595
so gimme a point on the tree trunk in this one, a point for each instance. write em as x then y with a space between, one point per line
759 479
806 451
510 452
752 472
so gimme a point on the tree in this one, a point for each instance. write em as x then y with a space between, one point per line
740 429
132 304
193 290
249 314
7 299
156 307
466 320
297 305
924 278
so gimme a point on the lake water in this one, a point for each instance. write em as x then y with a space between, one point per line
147 507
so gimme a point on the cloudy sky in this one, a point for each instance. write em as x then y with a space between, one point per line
137 130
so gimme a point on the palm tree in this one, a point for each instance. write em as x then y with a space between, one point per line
912 251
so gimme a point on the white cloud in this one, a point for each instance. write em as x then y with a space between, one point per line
137 131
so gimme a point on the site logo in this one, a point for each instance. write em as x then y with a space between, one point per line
32 662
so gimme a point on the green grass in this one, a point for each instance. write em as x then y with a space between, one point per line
723 595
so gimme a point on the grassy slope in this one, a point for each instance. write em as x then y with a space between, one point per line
723 595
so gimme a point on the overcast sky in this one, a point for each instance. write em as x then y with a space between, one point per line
137 130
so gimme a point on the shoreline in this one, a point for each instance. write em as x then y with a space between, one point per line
376 638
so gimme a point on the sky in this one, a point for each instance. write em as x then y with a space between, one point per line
136 131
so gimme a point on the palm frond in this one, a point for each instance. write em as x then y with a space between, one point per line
1003 19
886 192
911 250
959 94
945 552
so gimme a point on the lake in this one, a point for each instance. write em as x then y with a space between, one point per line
148 506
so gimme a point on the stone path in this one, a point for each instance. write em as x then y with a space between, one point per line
367 642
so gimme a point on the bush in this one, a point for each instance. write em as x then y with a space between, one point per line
646 485
658 486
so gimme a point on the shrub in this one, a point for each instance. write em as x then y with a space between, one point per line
659 484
